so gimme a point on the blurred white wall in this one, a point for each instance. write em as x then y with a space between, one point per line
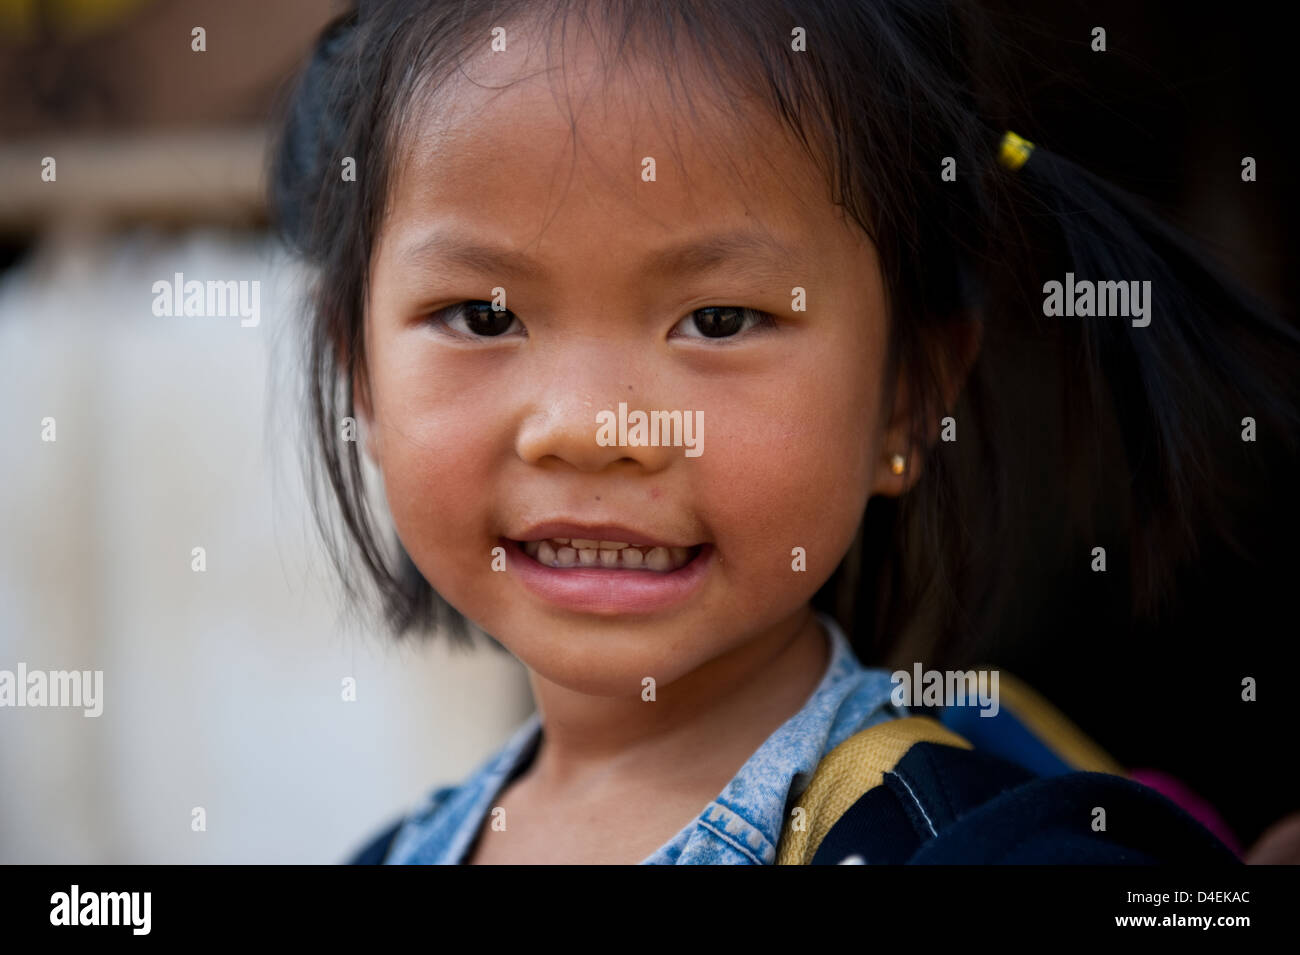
222 689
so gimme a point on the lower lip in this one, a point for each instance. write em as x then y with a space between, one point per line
601 590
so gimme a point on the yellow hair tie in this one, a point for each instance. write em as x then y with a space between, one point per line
1014 151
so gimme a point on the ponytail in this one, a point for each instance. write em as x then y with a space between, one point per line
1181 386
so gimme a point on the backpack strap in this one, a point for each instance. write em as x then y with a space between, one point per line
846 773
912 791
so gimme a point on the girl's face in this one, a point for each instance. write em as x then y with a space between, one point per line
485 423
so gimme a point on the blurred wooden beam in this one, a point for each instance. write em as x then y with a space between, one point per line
179 178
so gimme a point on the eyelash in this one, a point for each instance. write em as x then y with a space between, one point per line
451 313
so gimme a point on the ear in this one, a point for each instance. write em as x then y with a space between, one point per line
960 349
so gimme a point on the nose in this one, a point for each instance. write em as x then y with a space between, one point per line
575 420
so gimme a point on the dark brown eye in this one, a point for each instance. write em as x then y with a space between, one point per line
721 321
478 319
718 322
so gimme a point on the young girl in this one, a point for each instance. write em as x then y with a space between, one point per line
639 305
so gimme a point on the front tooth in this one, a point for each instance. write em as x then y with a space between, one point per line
588 555
612 545
658 559
631 557
545 554
560 540
609 558
566 556
582 543
678 554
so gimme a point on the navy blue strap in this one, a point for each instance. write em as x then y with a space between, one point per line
928 789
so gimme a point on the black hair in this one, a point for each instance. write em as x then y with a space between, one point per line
1139 426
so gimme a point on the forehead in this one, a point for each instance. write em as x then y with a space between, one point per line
549 145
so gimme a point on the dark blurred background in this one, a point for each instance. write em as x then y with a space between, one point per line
1183 93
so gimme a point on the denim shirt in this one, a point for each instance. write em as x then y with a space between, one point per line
742 826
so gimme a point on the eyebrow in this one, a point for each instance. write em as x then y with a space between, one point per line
755 252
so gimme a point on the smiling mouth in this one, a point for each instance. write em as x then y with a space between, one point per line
574 552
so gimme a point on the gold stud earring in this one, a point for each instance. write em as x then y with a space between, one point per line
897 463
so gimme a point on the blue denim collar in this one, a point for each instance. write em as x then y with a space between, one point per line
741 826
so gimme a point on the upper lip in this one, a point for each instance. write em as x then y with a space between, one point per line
596 532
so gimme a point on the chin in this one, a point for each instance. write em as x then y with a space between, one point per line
600 657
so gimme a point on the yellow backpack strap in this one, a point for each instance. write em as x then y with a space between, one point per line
846 773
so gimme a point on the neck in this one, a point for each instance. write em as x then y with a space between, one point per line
714 717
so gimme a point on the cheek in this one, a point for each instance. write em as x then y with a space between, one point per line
436 454
791 468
